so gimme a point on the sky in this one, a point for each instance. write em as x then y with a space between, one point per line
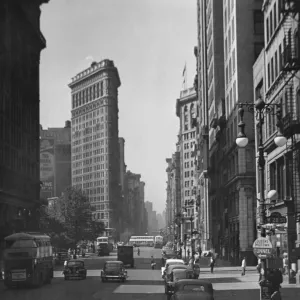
149 41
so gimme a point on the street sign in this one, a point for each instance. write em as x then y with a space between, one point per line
262 248
276 218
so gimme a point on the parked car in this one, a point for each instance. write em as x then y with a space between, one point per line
202 289
170 262
75 269
113 270
186 295
168 278
176 275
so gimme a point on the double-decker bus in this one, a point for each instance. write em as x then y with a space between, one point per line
158 242
28 259
140 241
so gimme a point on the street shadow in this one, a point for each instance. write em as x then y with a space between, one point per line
143 282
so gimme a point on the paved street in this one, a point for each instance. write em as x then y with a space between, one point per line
142 283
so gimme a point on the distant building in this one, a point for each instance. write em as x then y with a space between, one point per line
55 160
187 112
153 228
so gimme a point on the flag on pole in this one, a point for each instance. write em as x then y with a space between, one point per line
184 85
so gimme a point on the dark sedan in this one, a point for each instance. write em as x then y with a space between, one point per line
198 286
75 270
113 270
169 277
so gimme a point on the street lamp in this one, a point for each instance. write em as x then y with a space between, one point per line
261 109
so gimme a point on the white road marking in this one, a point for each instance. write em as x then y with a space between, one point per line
139 289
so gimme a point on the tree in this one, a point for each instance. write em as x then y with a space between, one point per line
54 228
76 213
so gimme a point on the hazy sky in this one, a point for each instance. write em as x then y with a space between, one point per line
149 42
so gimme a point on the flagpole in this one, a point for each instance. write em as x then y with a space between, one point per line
185 77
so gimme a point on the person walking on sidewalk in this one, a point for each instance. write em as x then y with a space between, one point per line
244 266
212 264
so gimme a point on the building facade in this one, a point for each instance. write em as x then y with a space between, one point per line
226 173
55 160
276 81
95 140
173 203
152 219
187 112
19 116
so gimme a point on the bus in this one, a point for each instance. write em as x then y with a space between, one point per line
140 241
107 240
28 259
158 242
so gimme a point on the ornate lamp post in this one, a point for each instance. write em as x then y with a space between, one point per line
261 109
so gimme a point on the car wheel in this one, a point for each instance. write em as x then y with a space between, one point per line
103 279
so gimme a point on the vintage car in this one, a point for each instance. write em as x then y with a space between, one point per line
170 262
168 278
169 253
176 275
113 270
203 289
186 295
75 270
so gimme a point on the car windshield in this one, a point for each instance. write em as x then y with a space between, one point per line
180 275
194 288
75 264
171 263
112 266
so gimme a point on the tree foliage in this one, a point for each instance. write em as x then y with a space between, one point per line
70 218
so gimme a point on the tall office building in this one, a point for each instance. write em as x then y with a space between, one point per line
95 140
227 172
210 85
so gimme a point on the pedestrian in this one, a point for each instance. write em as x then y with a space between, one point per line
138 251
188 253
244 266
212 264
259 270
152 263
285 264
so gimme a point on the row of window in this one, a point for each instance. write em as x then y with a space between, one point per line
92 115
190 135
187 183
273 19
90 93
101 216
187 164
